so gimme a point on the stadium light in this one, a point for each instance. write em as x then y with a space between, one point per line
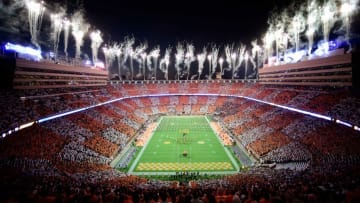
343 123
32 53
26 125
356 128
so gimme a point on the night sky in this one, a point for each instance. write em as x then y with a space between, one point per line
167 22
154 21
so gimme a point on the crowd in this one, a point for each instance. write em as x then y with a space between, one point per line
19 107
50 101
195 109
34 143
347 109
323 102
74 152
291 152
115 137
279 136
77 152
174 105
13 111
255 185
268 143
155 101
102 146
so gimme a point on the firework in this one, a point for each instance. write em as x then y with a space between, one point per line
201 60
96 41
35 15
189 58
347 9
79 28
164 63
313 18
214 59
56 25
179 58
66 28
155 53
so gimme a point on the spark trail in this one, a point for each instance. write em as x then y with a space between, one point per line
79 29
164 63
35 15
201 60
66 28
179 58
56 25
96 41
189 58
214 59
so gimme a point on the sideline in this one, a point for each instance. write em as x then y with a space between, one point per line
234 162
132 167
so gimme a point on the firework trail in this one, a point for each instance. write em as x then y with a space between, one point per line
138 55
201 60
129 52
297 26
234 57
56 25
179 58
110 54
347 10
246 60
255 56
79 28
118 49
279 39
35 15
313 18
96 41
66 28
150 58
143 63
214 59
328 12
255 52
164 63
189 58
230 55
268 42
221 62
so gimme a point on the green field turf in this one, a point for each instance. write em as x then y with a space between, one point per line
177 134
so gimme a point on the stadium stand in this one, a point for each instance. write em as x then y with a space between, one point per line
334 70
34 75
297 157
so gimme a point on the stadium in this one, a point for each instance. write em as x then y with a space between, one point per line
254 126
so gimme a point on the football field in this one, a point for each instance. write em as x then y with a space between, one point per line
184 143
